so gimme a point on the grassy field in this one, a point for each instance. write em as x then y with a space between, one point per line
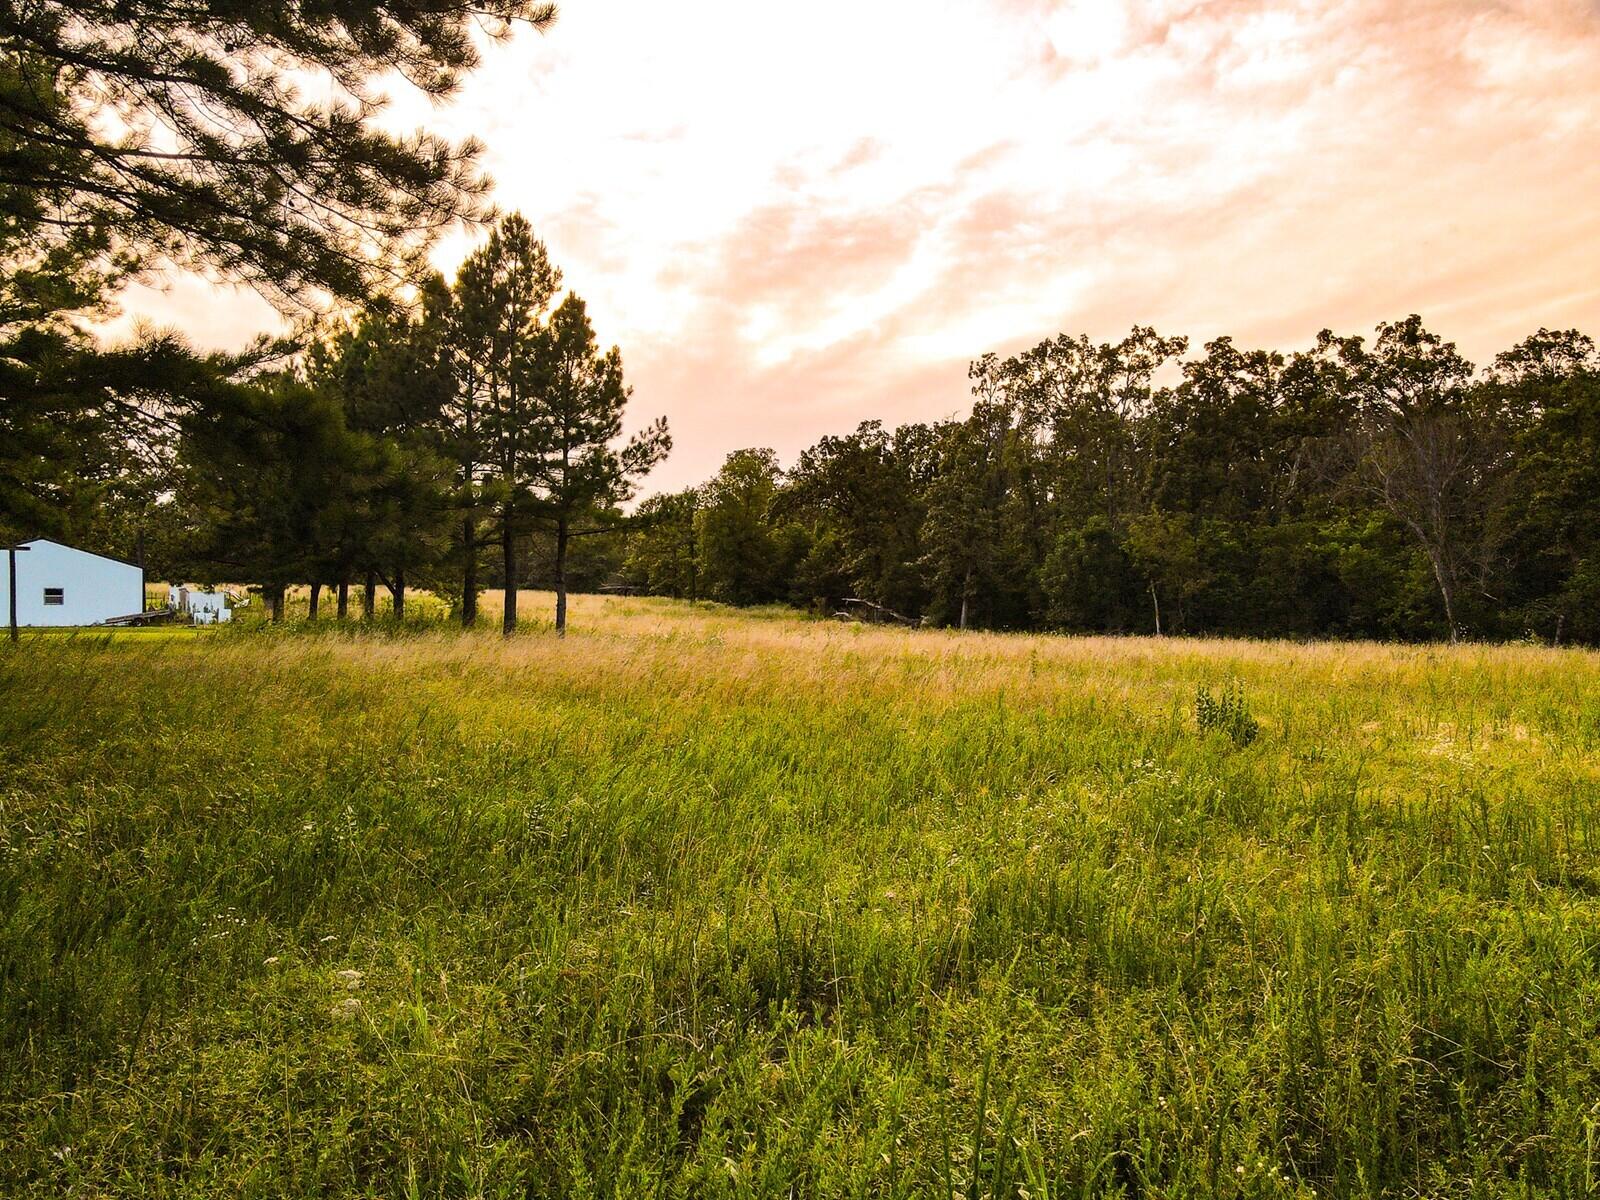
702 903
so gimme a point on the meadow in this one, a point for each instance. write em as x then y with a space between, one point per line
698 902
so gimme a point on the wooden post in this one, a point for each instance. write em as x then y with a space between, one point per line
11 581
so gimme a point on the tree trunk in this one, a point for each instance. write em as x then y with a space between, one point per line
274 598
694 562
343 610
469 573
469 521
508 546
561 577
1156 600
966 589
369 595
397 590
1448 592
311 608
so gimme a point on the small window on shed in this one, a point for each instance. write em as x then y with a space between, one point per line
55 595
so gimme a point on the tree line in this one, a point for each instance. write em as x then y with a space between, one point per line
396 447
410 442
1379 488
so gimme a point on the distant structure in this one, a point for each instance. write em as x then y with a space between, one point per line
202 608
61 585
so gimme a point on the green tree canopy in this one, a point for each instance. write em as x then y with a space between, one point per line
663 544
238 136
740 549
261 479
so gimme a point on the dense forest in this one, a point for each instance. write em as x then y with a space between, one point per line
1380 488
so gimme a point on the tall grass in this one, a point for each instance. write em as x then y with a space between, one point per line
702 903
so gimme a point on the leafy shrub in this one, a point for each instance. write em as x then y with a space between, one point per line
1225 713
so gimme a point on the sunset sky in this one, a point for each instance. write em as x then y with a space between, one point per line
793 218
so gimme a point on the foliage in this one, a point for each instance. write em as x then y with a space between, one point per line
1353 490
739 545
82 427
477 399
88 435
868 492
961 535
1226 714
579 473
390 377
664 550
241 138
263 482
1428 448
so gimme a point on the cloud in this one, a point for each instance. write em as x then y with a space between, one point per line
794 220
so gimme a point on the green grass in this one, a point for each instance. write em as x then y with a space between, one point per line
696 903
103 634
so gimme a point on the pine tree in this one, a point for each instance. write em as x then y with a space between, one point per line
578 471
258 479
502 300
216 155
393 383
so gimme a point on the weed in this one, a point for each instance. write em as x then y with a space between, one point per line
1226 713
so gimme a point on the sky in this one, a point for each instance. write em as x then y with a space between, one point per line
793 218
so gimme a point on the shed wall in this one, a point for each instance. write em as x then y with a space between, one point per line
93 589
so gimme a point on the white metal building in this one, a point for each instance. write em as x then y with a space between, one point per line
57 585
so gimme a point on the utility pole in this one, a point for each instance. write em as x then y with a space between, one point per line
11 581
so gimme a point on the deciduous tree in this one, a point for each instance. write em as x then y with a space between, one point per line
739 545
1430 448
663 545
